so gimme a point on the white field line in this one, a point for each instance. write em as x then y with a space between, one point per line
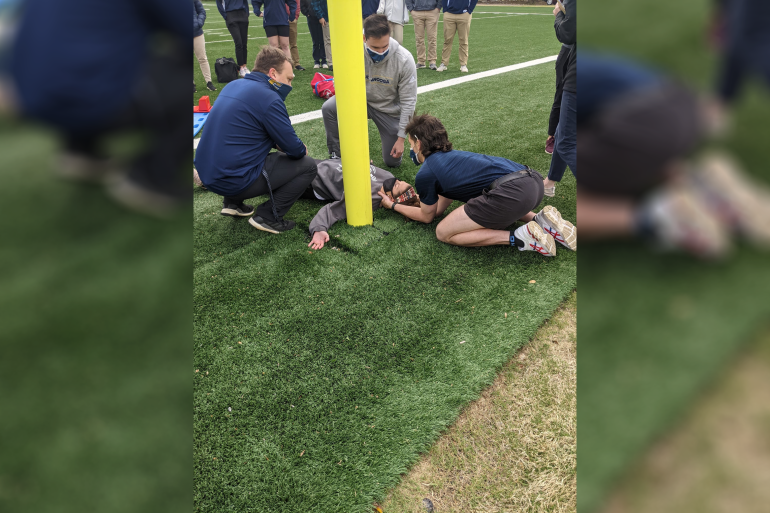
316 114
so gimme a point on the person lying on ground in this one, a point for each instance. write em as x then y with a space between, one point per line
328 186
497 192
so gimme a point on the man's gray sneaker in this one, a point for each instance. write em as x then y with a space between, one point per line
271 226
420 66
242 210
433 66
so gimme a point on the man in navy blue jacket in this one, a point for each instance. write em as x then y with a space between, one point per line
457 18
233 158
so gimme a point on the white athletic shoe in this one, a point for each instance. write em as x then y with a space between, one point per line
244 72
681 220
463 69
316 65
325 66
535 239
442 67
563 231
549 191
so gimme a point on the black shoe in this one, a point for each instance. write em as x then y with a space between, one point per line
210 86
283 225
333 155
242 210
331 68
298 67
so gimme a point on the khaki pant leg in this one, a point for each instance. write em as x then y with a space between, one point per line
396 32
431 29
419 35
199 47
328 43
450 27
293 42
464 30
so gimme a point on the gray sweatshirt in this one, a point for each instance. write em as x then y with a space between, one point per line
391 84
328 185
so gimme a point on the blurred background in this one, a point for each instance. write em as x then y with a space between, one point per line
95 256
674 395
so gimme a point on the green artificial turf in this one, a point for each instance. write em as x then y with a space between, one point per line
655 329
95 314
321 375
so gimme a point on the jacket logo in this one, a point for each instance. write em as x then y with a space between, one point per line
382 80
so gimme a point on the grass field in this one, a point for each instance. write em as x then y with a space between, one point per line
655 329
320 376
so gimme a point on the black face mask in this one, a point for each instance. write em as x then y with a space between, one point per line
388 184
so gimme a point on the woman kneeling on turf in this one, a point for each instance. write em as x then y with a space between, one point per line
497 192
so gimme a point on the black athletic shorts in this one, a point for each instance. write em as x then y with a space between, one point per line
507 203
277 30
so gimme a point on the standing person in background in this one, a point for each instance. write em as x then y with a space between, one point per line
322 13
236 15
425 14
199 44
369 7
553 120
293 38
457 18
316 34
565 149
398 16
276 21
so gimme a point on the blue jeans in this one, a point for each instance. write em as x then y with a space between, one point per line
565 151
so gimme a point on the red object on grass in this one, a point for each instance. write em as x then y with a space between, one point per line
204 105
323 85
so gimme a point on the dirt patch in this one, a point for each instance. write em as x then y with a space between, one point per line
514 449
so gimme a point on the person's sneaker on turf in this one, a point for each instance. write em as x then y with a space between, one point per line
316 65
677 219
535 239
333 155
463 69
420 66
299 68
564 232
243 72
325 66
272 226
442 67
210 86
549 191
549 144
432 66
331 67
242 210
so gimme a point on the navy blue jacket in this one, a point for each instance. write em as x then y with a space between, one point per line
459 6
232 5
275 11
320 9
199 18
246 122
106 51
369 7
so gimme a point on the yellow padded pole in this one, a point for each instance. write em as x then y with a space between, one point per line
346 28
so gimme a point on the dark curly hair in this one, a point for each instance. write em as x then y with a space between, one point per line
430 132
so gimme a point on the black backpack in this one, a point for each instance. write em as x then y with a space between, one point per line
226 69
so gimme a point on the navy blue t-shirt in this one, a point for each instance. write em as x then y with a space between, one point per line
459 175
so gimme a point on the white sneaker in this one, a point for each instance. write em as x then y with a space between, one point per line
244 72
681 221
549 191
442 67
325 66
563 231
463 69
535 239
316 66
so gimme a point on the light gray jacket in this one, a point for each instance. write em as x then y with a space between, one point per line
328 185
395 10
391 84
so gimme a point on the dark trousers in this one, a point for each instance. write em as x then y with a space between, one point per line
156 109
317 34
289 179
238 25
565 150
561 64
